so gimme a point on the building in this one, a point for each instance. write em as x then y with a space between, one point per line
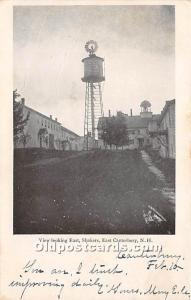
137 126
45 132
163 131
156 131
167 123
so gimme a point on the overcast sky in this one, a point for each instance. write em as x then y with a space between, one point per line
137 43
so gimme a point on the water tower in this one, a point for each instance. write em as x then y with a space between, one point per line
93 76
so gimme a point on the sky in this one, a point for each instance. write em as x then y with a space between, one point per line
137 43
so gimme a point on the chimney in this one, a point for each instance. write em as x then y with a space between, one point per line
23 101
109 113
50 116
56 119
131 112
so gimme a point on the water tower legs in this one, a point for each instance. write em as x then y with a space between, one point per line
93 111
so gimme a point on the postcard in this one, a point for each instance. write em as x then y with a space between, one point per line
95 150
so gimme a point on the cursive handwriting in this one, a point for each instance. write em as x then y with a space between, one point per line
26 284
101 278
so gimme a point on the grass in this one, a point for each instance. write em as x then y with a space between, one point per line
98 192
31 155
166 165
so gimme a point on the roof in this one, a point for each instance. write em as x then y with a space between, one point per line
145 104
133 121
52 120
69 131
137 122
92 57
44 116
166 107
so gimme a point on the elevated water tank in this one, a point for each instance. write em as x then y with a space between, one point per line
93 65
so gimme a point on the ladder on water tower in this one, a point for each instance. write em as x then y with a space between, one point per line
93 108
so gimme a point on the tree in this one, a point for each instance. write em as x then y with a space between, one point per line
24 138
114 131
119 131
19 121
106 135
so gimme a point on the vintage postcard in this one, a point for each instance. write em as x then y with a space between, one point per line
95 153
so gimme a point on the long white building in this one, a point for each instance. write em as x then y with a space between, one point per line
45 132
